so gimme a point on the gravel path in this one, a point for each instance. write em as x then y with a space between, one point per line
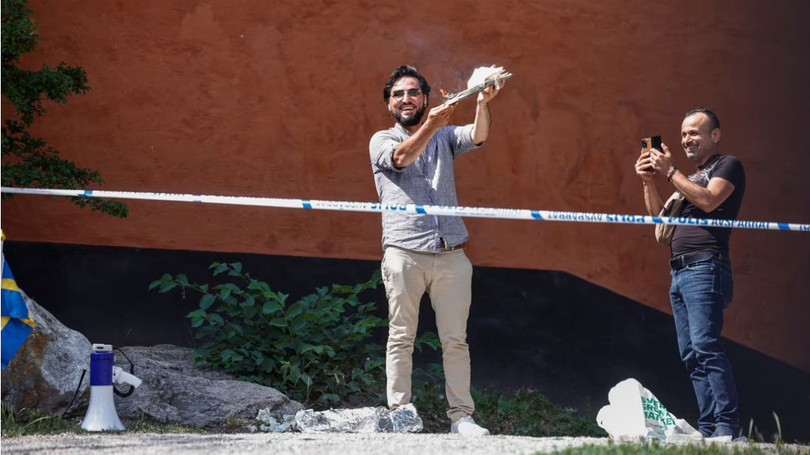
287 443
299 443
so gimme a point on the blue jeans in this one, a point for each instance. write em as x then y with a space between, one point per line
702 287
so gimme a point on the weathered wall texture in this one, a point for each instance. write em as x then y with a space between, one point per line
279 99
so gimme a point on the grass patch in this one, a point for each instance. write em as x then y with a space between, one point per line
524 413
145 424
28 422
528 413
691 449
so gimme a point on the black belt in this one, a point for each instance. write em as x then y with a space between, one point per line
679 262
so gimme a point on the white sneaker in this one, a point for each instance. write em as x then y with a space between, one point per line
466 426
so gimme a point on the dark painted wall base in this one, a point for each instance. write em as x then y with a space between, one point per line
552 331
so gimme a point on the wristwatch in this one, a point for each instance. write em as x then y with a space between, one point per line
671 173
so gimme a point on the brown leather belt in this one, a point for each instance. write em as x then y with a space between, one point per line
453 248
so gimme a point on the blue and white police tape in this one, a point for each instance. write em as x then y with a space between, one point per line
479 212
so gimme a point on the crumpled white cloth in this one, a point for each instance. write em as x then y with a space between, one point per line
481 78
485 73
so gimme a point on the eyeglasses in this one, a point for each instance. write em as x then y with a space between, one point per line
399 94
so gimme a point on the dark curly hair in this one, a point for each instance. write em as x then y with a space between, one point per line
402 71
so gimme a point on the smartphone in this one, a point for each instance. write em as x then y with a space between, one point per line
649 143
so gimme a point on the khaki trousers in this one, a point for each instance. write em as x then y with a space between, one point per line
447 278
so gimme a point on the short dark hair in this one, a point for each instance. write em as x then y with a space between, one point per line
715 122
403 71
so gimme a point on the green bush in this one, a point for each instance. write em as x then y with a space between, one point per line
318 350
321 350
528 413
525 412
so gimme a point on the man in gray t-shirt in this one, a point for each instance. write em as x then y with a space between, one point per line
413 164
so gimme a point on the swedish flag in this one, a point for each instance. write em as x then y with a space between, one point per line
16 322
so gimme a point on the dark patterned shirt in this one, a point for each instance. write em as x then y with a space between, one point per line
698 238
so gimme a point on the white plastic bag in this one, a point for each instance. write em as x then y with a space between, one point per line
634 413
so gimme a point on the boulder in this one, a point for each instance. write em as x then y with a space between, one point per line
46 371
176 390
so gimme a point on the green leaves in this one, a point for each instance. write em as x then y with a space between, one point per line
271 308
206 301
428 339
29 161
19 31
527 412
318 349
218 268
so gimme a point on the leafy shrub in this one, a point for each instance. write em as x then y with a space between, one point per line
528 413
525 412
321 350
427 394
317 350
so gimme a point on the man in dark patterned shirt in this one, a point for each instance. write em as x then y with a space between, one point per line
702 283
413 164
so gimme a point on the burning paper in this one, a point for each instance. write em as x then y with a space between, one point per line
481 78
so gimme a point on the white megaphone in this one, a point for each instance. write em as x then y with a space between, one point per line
101 413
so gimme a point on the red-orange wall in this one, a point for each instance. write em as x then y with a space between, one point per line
279 99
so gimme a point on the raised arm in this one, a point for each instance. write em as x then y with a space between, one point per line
483 119
652 200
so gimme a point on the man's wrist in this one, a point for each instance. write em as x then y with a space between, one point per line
671 173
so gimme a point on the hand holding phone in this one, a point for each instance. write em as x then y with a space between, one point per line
644 167
649 143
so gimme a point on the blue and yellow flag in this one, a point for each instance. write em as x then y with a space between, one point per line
16 322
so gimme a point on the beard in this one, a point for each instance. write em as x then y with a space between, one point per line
413 120
700 150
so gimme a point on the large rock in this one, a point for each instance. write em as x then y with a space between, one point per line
176 390
45 372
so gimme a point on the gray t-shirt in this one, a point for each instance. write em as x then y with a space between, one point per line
427 181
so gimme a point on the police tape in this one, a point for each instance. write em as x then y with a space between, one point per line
478 212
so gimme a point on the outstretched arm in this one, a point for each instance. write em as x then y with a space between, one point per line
480 131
